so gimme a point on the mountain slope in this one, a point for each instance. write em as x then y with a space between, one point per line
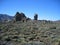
5 17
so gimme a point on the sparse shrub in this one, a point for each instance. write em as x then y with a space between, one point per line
35 28
31 39
44 36
0 38
59 43
7 39
0 30
53 27
15 37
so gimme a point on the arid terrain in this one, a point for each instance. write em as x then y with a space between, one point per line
32 32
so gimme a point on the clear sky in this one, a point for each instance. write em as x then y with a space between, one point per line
46 9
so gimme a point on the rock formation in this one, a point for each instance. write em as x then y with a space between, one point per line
20 17
36 17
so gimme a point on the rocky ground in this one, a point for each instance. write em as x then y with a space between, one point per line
30 33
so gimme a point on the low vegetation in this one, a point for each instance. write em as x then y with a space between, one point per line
29 33
24 31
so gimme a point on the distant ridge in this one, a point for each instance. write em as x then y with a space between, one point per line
5 17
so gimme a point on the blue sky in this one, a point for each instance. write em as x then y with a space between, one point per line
46 9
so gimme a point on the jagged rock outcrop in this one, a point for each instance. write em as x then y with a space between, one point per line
36 17
20 17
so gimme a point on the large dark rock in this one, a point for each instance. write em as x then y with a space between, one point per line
20 17
36 17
